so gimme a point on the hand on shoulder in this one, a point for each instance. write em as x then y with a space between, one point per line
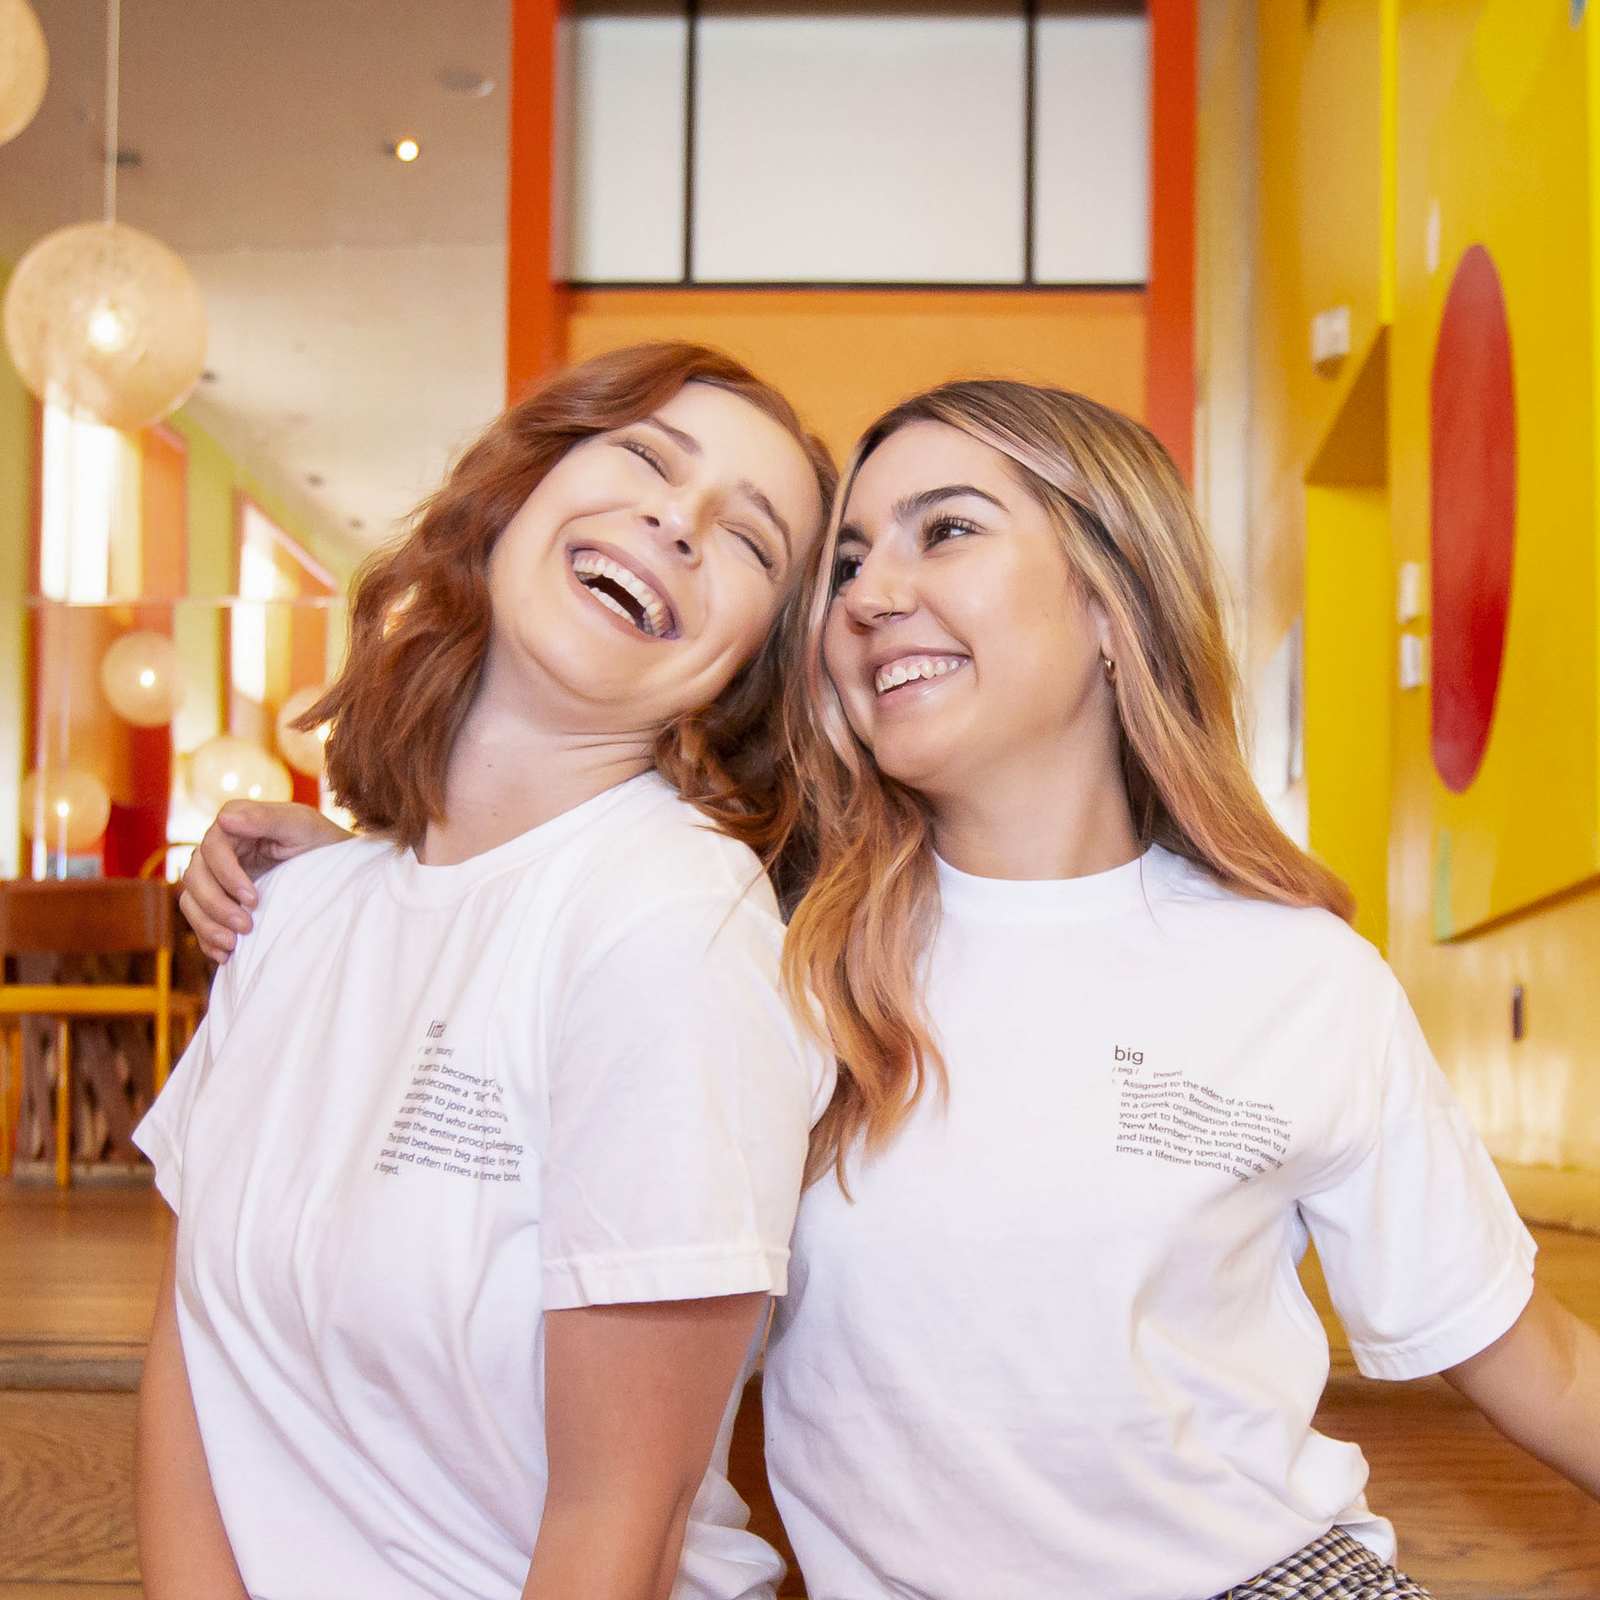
248 839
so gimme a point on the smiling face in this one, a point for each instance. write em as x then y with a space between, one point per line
647 567
959 643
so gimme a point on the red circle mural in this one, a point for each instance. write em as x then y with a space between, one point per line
1474 483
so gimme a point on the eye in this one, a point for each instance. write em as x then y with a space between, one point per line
755 547
845 567
639 448
942 529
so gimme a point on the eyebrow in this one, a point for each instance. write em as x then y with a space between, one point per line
684 441
913 505
768 510
691 446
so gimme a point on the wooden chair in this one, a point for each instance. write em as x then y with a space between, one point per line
80 917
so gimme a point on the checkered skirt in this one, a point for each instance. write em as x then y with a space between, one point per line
1334 1567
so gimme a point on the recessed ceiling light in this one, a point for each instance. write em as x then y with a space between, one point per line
406 150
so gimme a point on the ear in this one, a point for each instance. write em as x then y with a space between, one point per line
1101 625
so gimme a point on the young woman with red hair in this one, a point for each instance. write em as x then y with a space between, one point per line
486 1157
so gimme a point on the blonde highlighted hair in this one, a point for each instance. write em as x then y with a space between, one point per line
1134 544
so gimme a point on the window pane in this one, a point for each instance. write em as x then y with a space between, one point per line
625 136
1092 178
881 146
80 491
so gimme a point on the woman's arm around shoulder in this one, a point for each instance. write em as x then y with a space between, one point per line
248 839
635 1395
184 1552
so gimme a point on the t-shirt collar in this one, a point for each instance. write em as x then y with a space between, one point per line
1097 894
415 883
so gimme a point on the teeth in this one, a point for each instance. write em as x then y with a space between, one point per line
908 668
591 564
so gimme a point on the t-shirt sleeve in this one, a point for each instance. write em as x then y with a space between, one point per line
680 1104
162 1131
1426 1259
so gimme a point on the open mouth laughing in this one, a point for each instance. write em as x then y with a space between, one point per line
622 589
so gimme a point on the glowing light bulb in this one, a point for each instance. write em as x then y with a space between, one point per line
108 330
63 809
407 150
230 781
147 678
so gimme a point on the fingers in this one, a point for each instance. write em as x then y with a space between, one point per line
249 822
214 884
278 830
219 856
215 940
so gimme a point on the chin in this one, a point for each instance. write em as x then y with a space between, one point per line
918 763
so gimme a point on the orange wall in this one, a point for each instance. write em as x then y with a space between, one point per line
844 355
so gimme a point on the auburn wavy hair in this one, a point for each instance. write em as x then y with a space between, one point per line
421 619
1132 541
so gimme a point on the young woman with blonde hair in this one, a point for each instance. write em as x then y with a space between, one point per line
1109 1054
486 1157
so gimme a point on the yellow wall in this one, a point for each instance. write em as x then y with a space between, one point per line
842 356
1351 97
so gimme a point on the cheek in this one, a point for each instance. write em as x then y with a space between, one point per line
743 607
835 646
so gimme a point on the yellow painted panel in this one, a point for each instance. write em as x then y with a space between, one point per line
1496 155
1327 83
1349 654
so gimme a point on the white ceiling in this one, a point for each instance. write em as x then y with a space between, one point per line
356 304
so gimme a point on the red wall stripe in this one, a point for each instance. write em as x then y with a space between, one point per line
1169 350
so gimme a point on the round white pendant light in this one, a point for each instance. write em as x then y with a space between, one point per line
107 322
140 678
302 750
227 768
65 809
24 67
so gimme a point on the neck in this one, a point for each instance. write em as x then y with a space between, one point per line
511 770
1060 813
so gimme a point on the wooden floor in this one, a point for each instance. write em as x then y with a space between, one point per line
1478 1520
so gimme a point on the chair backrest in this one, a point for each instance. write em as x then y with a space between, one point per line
84 916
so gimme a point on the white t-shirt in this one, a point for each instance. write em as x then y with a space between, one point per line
431 1103
1057 1346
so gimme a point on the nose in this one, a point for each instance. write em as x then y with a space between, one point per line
675 527
880 591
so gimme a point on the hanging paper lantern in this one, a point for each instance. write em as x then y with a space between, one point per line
140 677
107 322
65 809
24 67
226 768
303 751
